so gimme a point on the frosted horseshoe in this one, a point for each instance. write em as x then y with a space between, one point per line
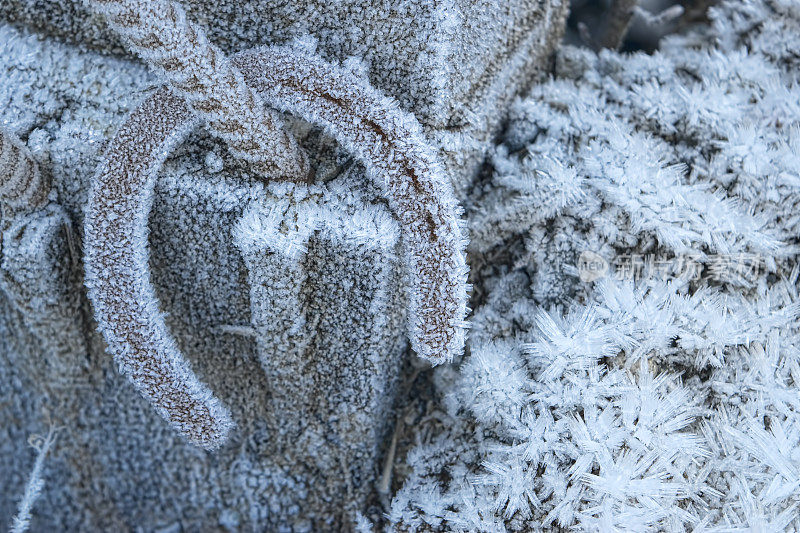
117 271
395 153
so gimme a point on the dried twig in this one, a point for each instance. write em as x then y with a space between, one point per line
616 23
620 15
657 20
33 488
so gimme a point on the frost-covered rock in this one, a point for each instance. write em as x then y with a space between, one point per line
312 415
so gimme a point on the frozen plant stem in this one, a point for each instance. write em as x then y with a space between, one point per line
22 185
616 23
35 483
158 32
395 153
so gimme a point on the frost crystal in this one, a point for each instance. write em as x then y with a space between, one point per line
632 361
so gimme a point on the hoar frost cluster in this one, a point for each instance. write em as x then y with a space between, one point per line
659 390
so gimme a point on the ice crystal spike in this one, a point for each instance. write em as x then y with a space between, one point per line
398 157
158 32
22 185
117 271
